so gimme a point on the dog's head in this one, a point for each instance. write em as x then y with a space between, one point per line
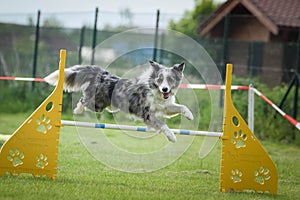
166 79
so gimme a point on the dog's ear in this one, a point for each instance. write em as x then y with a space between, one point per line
179 67
155 65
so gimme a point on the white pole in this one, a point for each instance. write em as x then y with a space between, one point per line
251 108
137 128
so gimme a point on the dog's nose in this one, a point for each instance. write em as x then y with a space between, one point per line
165 89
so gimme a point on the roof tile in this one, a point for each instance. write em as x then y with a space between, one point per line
281 12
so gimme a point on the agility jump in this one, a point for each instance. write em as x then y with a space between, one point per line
33 148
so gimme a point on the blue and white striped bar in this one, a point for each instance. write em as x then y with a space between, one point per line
137 128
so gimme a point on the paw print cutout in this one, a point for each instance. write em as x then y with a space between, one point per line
239 139
43 124
236 175
41 161
262 175
16 157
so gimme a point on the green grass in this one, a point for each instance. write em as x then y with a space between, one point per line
81 176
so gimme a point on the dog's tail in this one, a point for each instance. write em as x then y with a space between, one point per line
76 78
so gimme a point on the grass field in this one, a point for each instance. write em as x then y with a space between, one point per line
81 176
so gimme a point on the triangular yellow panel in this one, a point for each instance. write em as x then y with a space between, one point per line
33 148
245 165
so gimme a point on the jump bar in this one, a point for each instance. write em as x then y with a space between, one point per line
138 128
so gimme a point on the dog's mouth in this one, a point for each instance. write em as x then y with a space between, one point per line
166 95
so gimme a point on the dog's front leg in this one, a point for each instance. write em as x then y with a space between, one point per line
177 108
159 125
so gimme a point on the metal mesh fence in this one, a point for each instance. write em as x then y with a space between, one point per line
273 61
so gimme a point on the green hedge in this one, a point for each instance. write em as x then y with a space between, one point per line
18 97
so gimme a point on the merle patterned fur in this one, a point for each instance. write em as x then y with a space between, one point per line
146 96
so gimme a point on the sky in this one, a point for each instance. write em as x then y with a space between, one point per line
80 12
24 6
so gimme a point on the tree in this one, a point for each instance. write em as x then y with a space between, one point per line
126 23
127 15
188 24
53 22
30 21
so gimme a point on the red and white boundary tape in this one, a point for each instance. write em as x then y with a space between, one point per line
286 116
190 86
213 87
10 78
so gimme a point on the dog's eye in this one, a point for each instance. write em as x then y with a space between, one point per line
170 80
160 78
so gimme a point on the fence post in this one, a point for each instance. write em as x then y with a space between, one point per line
251 108
156 36
94 37
295 103
81 42
224 54
162 46
36 43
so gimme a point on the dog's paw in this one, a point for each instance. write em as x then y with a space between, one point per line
79 109
169 134
187 113
152 129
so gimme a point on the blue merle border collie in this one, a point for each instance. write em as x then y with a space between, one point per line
147 96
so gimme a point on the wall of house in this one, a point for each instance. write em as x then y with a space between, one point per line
271 70
238 55
248 29
243 33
